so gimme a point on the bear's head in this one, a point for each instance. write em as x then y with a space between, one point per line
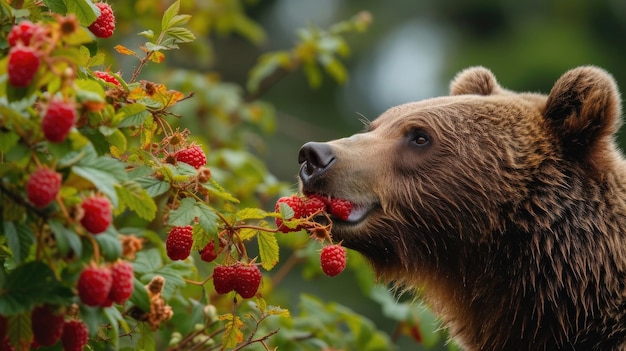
460 193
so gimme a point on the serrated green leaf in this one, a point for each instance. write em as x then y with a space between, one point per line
109 243
132 115
146 340
8 140
103 172
19 238
247 233
56 6
19 330
133 196
169 14
66 239
153 186
251 213
182 35
233 334
184 214
86 12
140 297
149 34
32 284
147 261
268 249
207 218
286 211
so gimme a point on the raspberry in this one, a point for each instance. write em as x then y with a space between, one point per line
94 285
75 335
22 66
179 242
312 205
192 155
47 325
340 208
107 77
58 120
122 287
43 186
208 254
247 280
22 32
297 205
333 260
96 214
224 279
104 25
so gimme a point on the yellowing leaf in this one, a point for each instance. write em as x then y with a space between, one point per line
247 233
278 311
157 57
251 213
268 249
124 50
233 334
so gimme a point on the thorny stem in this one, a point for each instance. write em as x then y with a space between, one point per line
145 60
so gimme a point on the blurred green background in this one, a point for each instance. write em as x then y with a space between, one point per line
411 51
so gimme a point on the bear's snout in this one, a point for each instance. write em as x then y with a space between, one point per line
315 158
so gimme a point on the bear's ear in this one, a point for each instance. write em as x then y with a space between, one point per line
474 80
584 108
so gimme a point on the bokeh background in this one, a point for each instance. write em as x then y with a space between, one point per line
411 51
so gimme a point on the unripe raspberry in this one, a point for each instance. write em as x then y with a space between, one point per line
247 280
224 279
193 155
179 242
22 32
104 25
75 335
58 120
333 260
22 66
43 186
94 285
96 214
122 286
47 325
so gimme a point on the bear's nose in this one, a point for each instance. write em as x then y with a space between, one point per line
315 159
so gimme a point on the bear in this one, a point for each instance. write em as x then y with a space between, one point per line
506 211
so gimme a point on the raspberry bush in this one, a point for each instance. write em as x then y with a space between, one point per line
130 231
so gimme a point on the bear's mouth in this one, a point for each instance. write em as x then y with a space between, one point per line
358 213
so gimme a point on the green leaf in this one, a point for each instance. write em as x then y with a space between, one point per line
56 6
169 15
268 249
114 317
109 243
132 115
19 238
31 284
8 140
140 296
133 196
153 186
146 340
251 213
66 239
286 211
147 261
103 172
19 330
232 334
182 35
86 12
206 217
184 214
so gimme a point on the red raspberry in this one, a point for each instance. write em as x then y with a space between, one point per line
297 205
224 279
104 25
179 242
107 77
312 205
43 186
208 254
94 285
340 208
192 155
58 120
22 32
75 336
333 260
247 280
96 214
47 325
22 66
122 287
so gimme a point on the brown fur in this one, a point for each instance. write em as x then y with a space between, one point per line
511 217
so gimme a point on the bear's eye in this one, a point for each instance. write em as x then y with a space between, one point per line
419 138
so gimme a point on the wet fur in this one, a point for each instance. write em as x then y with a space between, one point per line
511 220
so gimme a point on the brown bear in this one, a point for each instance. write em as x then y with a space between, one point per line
507 210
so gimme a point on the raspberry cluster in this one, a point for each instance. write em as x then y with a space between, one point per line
242 278
104 285
48 325
304 207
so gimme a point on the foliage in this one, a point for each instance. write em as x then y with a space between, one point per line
123 145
